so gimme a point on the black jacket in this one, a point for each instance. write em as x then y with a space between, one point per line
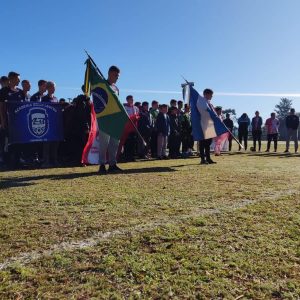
292 122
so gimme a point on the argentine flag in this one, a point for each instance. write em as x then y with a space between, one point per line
205 122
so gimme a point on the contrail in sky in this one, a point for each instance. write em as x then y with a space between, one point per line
225 94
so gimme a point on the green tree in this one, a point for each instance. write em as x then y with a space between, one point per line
283 107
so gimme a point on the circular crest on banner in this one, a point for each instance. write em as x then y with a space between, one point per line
100 99
38 122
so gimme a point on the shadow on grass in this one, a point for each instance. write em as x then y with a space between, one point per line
274 154
11 182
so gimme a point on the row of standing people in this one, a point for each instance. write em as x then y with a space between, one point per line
76 121
161 127
272 126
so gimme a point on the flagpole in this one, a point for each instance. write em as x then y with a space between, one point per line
135 128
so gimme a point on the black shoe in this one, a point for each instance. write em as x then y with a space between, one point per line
286 151
114 169
203 162
267 150
102 170
210 161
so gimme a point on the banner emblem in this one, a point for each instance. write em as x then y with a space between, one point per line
38 122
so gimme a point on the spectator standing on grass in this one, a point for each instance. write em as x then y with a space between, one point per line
153 141
174 138
130 144
244 123
229 124
163 131
292 124
50 149
186 132
272 125
145 127
256 125
10 93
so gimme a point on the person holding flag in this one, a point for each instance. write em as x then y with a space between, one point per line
205 122
108 112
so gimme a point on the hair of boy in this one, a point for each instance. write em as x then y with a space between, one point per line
50 83
154 102
3 79
41 82
145 103
113 69
129 97
208 92
13 74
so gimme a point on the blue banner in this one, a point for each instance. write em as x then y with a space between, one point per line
34 122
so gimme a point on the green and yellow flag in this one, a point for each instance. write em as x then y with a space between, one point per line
110 113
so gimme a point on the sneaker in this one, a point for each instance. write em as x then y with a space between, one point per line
267 150
102 170
114 169
203 162
286 151
210 161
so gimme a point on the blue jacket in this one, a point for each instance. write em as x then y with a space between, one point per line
163 124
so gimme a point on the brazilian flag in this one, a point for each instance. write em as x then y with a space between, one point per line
110 113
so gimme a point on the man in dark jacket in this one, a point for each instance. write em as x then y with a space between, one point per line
174 138
244 123
256 124
145 127
163 131
292 124
229 124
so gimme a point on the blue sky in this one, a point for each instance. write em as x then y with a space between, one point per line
235 47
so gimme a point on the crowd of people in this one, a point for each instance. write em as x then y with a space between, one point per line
163 131
272 125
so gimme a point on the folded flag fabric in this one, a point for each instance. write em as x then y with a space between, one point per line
90 154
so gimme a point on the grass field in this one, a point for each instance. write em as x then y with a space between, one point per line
169 229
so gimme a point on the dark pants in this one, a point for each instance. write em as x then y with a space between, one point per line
153 143
187 142
243 136
143 150
256 134
2 142
229 142
130 146
273 137
174 145
204 147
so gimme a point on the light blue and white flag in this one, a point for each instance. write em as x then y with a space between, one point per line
205 122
